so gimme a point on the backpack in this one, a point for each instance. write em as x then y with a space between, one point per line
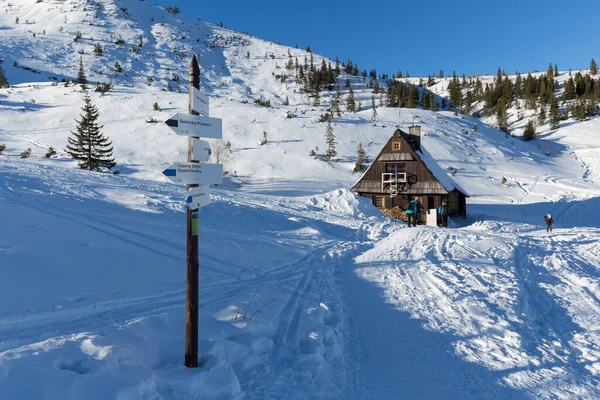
444 208
412 205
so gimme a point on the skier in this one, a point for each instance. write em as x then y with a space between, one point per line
549 221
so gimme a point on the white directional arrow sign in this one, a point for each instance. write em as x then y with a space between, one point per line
196 125
197 197
193 173
199 102
200 150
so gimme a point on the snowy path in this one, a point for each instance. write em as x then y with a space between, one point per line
522 306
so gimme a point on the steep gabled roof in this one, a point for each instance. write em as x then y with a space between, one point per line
440 174
371 184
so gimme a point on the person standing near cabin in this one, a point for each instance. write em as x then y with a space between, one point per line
419 211
443 211
549 221
411 213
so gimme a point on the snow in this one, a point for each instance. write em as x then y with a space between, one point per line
306 290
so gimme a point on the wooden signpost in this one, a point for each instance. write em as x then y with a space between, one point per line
193 174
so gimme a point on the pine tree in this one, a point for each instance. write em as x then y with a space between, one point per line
501 116
433 105
542 116
3 80
330 141
81 77
410 101
317 97
529 133
579 112
374 108
425 99
351 104
87 144
335 104
468 102
593 67
550 72
554 114
361 159
569 90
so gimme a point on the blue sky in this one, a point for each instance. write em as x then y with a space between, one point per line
422 37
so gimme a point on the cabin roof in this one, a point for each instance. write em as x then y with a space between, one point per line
440 174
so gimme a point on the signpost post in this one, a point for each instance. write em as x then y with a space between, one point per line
193 263
193 174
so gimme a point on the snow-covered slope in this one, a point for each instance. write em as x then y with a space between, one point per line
92 280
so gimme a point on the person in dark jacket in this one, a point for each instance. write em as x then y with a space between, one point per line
443 211
549 221
411 213
419 211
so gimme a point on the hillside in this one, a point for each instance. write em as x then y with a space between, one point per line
92 280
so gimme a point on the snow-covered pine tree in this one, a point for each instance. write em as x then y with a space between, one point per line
87 144
330 141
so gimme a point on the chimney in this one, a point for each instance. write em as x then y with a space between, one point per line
414 133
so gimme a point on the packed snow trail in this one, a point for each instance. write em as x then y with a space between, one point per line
497 300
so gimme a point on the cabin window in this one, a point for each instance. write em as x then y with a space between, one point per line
395 168
396 146
379 201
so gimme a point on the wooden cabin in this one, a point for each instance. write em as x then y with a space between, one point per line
402 171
